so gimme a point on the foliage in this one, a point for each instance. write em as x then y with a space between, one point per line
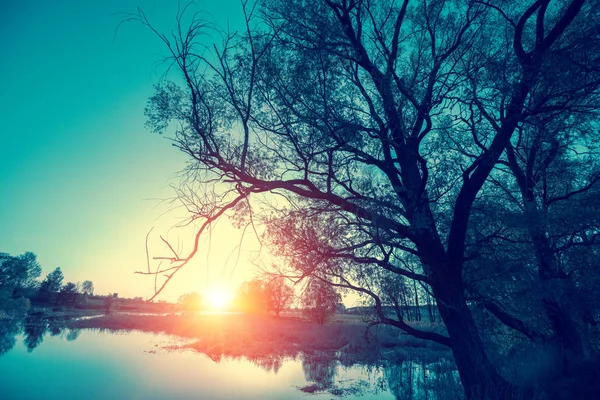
19 271
9 329
87 287
190 301
53 281
319 301
405 139
280 294
252 297
263 295
69 294
69 287
16 275
12 307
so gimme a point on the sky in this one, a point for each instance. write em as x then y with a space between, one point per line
83 181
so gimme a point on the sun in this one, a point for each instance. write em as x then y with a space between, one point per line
218 298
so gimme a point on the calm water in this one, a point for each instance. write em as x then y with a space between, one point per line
47 362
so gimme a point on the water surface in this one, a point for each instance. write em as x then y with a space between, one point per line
44 361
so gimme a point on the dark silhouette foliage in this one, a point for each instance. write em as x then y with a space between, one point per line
449 143
53 281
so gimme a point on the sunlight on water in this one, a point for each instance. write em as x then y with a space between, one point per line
42 359
135 365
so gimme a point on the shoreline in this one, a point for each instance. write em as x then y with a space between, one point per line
257 336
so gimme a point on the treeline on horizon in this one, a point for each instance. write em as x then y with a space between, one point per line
318 301
20 286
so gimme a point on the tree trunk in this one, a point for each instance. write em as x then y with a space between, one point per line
479 378
406 306
417 305
430 309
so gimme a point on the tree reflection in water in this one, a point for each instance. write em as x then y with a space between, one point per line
9 329
319 369
269 363
73 334
410 379
420 380
33 328
34 331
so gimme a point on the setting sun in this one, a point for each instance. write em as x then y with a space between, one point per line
218 298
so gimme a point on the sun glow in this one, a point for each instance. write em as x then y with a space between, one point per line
219 298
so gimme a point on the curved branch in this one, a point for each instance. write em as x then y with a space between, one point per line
400 323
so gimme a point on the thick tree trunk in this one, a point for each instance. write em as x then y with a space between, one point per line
479 378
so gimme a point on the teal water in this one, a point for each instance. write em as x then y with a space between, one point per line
53 363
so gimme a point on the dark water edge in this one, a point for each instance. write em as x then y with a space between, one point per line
395 373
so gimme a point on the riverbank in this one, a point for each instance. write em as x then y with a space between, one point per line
255 336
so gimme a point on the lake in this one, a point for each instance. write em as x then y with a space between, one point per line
50 362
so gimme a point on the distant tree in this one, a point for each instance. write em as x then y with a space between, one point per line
319 301
190 301
68 294
19 271
110 303
280 295
87 287
70 287
16 274
252 297
53 281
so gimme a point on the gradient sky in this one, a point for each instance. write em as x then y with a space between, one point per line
81 177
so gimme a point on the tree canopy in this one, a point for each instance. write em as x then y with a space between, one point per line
319 301
19 271
190 301
446 142
53 281
263 295
87 287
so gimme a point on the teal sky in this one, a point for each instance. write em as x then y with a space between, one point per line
81 177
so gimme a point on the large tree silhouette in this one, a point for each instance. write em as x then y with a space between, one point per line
376 127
